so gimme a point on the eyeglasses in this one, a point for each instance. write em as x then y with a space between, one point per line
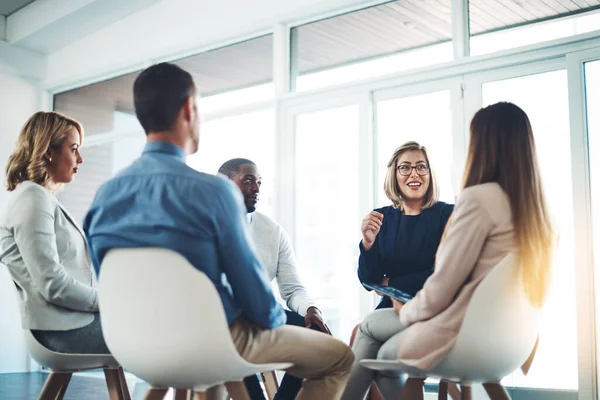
406 170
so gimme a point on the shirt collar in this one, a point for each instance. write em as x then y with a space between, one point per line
165 148
249 217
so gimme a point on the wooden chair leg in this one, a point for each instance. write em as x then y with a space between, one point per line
413 389
123 382
113 383
453 391
180 394
443 390
55 386
199 396
496 391
237 390
156 394
374 393
271 385
466 393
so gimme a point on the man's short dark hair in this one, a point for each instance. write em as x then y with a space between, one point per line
159 92
232 166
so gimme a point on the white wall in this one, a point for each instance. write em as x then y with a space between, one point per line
19 98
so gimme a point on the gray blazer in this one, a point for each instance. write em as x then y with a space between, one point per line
46 254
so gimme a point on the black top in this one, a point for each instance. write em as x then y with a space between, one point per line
404 249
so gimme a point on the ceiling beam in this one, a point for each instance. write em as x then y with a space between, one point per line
48 25
22 62
38 15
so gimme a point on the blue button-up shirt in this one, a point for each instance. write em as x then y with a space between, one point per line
159 201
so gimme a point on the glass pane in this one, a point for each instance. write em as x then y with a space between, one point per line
422 57
100 107
226 77
327 218
251 136
409 118
555 364
240 65
592 88
101 162
343 42
490 20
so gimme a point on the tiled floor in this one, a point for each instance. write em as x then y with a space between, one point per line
83 386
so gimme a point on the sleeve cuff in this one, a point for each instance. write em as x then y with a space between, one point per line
304 308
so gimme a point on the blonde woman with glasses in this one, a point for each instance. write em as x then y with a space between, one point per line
498 212
399 241
42 245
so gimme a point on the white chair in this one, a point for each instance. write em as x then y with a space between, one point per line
163 320
64 365
498 334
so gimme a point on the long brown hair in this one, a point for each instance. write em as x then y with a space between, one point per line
502 150
42 131
391 186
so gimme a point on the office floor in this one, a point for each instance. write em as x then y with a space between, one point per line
85 386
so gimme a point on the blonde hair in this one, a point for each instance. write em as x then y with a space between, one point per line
391 187
42 131
502 149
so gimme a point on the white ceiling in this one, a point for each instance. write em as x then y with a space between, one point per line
8 7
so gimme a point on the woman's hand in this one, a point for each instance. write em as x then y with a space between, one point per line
397 305
384 282
370 228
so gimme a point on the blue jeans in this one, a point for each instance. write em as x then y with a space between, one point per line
290 384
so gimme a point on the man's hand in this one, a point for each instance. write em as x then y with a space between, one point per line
397 305
314 317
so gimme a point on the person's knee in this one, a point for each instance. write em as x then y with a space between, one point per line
345 357
364 328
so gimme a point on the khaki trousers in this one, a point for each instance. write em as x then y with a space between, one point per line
323 362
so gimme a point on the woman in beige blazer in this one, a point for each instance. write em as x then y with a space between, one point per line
501 209
40 243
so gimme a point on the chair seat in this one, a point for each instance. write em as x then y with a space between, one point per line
61 362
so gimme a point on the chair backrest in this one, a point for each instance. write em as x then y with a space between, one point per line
499 329
163 320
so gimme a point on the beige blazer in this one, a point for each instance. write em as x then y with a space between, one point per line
480 235
46 254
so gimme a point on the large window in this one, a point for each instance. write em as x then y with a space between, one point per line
327 218
335 50
555 365
410 119
226 78
251 136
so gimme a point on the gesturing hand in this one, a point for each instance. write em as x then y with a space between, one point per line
314 317
370 228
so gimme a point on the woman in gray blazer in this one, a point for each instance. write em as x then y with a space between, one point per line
40 243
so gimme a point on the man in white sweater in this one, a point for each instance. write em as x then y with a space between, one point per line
277 256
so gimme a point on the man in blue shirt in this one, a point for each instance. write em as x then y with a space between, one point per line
159 201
